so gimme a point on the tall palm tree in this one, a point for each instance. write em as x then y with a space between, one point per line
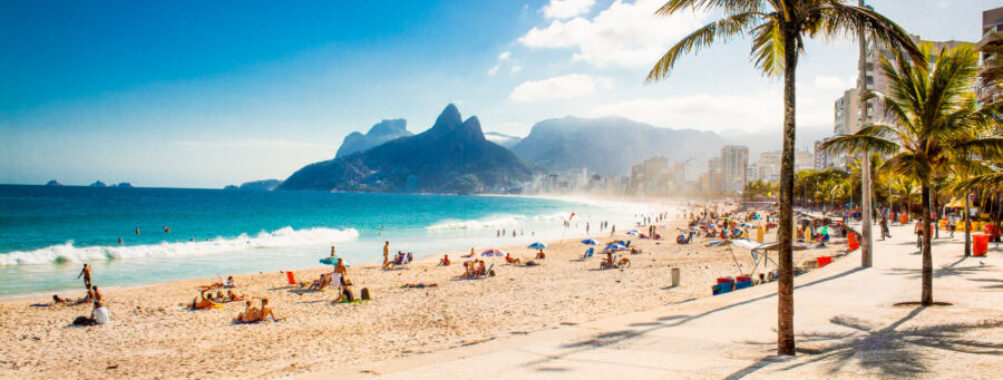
778 29
932 108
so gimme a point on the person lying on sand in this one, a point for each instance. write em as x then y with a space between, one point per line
233 297
321 283
511 260
249 315
420 285
205 303
57 299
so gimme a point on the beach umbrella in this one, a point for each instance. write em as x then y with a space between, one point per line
615 247
590 241
538 245
632 232
332 260
745 225
824 230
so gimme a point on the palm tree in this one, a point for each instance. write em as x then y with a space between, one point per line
778 29
932 109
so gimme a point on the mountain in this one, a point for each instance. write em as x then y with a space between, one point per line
610 145
124 185
53 183
262 185
381 132
452 156
502 139
98 184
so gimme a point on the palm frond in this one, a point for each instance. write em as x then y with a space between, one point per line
860 142
729 6
836 20
725 28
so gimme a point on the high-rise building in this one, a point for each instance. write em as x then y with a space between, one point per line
715 177
992 34
822 158
734 162
846 113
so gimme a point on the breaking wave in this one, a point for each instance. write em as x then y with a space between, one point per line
283 237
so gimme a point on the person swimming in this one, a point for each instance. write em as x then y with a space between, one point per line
137 230
167 229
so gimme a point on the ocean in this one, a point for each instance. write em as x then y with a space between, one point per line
47 232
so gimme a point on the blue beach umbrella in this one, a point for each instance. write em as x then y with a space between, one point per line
590 241
615 247
538 245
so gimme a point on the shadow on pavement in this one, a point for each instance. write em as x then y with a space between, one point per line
892 352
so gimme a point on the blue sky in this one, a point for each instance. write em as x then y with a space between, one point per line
204 94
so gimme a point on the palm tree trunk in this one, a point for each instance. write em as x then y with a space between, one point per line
927 296
865 170
968 229
785 286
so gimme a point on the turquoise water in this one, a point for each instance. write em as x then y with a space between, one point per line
46 232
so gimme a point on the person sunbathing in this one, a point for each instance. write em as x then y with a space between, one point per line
444 261
57 299
624 262
540 255
266 311
481 270
233 297
205 303
511 260
420 285
321 283
607 263
229 283
250 314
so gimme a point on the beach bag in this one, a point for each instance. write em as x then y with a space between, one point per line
347 295
364 294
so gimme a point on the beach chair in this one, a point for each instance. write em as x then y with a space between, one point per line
588 253
291 278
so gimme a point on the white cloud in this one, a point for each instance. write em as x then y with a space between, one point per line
562 87
625 34
516 68
504 56
563 9
755 111
494 70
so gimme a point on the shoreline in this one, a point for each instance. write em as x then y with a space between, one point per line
369 260
153 332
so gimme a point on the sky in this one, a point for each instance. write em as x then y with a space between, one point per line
205 94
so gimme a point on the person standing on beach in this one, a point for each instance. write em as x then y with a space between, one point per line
586 228
86 273
386 254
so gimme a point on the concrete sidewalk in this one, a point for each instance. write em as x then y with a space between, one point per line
846 321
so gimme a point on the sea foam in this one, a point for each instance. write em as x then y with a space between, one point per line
283 237
496 221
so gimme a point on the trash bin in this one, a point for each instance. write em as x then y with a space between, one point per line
980 245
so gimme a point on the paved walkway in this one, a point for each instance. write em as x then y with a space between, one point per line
846 321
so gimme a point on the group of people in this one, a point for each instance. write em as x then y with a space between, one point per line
99 313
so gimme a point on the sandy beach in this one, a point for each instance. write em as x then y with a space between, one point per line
154 334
